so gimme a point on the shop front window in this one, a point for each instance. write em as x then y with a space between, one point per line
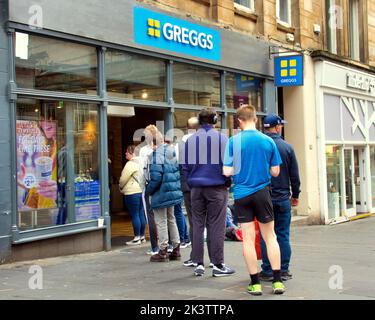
333 160
233 124
194 85
242 89
55 65
57 163
132 76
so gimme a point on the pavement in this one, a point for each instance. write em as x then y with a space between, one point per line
329 262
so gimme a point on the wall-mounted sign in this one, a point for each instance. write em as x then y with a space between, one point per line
360 82
288 71
176 35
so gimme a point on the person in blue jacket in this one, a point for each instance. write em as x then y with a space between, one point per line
164 188
285 190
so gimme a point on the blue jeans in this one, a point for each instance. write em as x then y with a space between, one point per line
135 206
282 212
181 223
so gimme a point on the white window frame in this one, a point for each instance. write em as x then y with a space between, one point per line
282 22
245 8
354 29
332 28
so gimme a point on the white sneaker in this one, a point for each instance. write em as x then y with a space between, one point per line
152 253
134 242
143 240
199 271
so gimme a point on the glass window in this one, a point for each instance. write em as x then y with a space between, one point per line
181 117
332 24
196 85
50 64
283 11
333 159
57 162
355 31
246 3
233 125
132 76
242 89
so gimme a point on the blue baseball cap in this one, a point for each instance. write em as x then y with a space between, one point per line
272 120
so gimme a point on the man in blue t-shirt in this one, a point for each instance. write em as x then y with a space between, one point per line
252 159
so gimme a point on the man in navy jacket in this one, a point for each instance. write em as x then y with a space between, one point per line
203 168
285 190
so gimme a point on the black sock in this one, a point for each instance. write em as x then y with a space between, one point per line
276 276
200 264
220 266
254 278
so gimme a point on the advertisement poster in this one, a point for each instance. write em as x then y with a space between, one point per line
36 164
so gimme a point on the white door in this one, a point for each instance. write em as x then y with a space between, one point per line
349 194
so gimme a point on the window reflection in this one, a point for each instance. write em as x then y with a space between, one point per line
50 64
195 85
132 76
242 89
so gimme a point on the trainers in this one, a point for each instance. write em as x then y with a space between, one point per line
199 271
265 277
134 242
223 272
255 289
185 245
211 265
190 263
286 275
143 240
170 249
278 287
152 253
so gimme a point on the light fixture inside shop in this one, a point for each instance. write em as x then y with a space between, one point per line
144 95
36 110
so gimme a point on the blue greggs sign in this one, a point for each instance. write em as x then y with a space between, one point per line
288 71
176 35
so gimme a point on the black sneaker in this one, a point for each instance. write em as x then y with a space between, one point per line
265 277
223 272
190 263
199 271
286 275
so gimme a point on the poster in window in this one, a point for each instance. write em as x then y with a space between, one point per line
36 164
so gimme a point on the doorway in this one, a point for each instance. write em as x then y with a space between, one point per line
121 129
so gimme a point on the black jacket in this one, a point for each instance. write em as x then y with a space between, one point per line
288 179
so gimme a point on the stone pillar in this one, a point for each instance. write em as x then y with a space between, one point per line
301 132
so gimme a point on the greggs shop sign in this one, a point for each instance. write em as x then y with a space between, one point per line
164 32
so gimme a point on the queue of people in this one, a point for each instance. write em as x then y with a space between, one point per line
262 170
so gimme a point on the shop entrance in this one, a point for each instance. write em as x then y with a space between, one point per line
123 122
346 181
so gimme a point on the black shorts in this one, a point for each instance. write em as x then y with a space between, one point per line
257 205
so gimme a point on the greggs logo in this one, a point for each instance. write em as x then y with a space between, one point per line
165 32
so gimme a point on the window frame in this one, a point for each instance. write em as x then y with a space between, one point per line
279 20
240 6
